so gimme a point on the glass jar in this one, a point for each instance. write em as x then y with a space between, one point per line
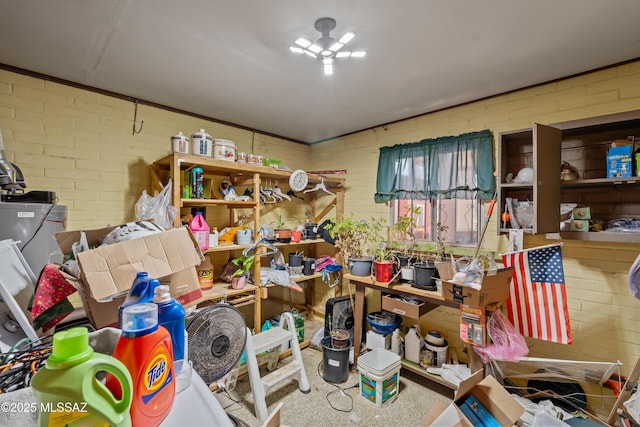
241 157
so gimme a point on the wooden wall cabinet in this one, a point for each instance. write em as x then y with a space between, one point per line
584 145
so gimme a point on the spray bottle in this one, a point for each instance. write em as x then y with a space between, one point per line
145 349
67 385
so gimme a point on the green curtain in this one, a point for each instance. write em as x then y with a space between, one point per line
448 167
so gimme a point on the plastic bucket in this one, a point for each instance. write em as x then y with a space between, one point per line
379 376
438 353
360 267
335 362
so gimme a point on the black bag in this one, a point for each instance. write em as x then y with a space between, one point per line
324 233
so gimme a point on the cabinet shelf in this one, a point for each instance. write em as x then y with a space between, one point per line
600 182
218 202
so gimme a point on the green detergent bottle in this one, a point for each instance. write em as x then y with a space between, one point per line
68 391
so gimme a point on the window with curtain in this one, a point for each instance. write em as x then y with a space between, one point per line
448 177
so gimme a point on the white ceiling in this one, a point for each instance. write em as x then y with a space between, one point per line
229 60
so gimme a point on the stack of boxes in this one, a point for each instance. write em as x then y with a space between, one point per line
580 219
620 159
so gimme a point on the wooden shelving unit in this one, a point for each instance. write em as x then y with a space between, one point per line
249 176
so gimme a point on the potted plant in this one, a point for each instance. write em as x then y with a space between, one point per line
384 261
280 228
355 239
243 235
296 232
243 265
403 236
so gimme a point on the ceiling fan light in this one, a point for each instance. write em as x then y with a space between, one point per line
302 42
358 54
336 47
315 48
328 69
343 54
326 53
296 49
347 37
311 54
327 61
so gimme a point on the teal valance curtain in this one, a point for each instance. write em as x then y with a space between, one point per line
448 167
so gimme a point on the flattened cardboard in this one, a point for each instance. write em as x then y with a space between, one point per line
495 288
107 272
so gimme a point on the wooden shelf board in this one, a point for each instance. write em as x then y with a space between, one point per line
417 369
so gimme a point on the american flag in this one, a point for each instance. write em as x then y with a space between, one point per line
537 306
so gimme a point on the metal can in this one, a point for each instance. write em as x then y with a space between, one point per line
197 183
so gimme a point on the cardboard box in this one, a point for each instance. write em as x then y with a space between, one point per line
495 288
404 308
619 162
579 225
488 392
107 272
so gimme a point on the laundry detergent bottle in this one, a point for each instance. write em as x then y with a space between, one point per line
68 391
171 315
142 290
145 349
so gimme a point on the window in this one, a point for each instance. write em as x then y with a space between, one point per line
447 177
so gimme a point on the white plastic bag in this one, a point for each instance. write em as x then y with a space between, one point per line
157 209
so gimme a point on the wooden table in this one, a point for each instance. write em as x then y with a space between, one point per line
431 298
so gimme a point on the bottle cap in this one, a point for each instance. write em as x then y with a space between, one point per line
162 294
139 320
70 347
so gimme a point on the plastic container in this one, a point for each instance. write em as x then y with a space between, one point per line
68 381
142 290
379 376
145 349
171 315
205 274
335 362
223 149
396 342
200 230
197 183
412 345
213 238
180 143
201 143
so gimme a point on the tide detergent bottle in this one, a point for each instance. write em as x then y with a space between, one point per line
145 349
171 315
68 391
142 290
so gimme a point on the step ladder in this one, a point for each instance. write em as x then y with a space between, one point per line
265 341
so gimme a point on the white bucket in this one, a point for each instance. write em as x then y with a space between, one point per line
223 149
379 376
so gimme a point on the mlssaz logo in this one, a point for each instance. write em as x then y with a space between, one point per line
157 372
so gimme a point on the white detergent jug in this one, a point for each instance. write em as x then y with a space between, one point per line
412 345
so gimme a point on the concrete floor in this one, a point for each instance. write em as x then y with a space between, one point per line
335 404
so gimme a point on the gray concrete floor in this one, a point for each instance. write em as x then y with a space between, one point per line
335 404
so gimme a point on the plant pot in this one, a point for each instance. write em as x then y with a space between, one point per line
383 270
407 274
340 338
243 236
360 267
283 233
296 236
424 274
295 260
237 282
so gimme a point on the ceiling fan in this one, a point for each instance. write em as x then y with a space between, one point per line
326 47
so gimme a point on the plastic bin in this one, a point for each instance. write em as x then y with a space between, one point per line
379 376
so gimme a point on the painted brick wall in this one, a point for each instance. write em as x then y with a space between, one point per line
80 144
604 315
